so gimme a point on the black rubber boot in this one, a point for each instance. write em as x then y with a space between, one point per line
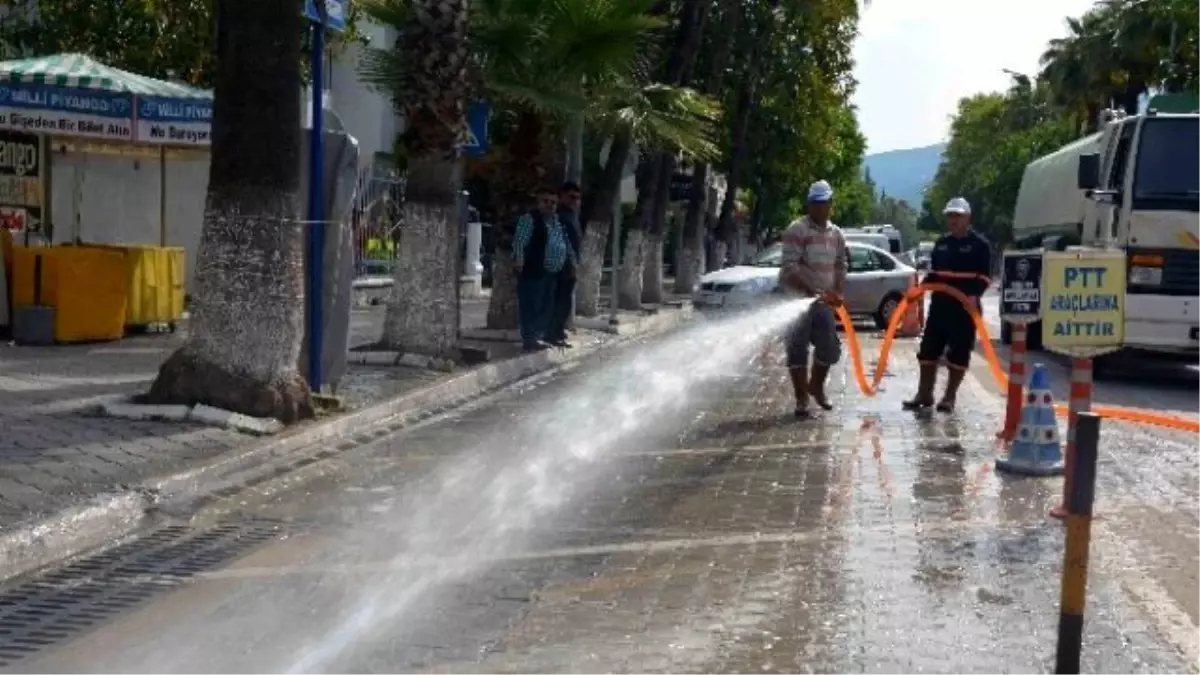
800 389
952 384
816 385
924 397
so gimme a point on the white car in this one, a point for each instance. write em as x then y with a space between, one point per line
875 283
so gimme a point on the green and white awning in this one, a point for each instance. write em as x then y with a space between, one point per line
83 72
75 95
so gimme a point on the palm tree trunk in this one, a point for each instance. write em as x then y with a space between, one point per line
422 313
633 258
690 257
679 71
517 182
599 219
243 347
652 270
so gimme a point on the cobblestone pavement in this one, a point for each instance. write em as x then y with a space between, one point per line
52 455
717 536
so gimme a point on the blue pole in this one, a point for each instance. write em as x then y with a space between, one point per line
316 208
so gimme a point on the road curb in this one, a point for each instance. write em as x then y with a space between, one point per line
103 518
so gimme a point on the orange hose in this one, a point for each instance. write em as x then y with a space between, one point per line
871 387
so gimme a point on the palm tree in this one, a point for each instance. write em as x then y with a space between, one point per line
689 263
244 340
427 77
654 117
539 63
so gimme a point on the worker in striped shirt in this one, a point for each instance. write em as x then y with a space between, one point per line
814 266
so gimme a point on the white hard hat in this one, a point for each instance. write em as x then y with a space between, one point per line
958 205
820 191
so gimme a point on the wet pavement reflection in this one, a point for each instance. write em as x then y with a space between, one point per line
721 537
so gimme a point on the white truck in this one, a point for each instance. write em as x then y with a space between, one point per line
1133 186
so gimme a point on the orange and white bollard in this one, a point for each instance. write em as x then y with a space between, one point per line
1081 402
1016 381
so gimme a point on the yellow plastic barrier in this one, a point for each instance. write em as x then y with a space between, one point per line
871 387
88 287
156 280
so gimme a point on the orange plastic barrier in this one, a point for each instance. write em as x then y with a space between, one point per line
871 387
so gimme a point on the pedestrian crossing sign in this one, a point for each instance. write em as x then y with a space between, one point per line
475 141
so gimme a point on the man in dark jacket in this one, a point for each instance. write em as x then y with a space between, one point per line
950 330
541 249
564 282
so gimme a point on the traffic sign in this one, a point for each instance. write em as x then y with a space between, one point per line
1084 312
335 10
476 142
1021 286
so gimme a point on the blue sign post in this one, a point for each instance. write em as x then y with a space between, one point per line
324 14
476 142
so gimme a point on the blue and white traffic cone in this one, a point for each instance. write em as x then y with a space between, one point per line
1036 449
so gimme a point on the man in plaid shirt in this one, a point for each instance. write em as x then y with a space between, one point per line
540 251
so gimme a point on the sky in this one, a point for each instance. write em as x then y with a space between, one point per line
916 58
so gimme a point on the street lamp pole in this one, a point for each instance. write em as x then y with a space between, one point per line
316 203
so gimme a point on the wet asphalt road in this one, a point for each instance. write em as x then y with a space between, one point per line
716 536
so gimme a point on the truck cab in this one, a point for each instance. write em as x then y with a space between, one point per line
1135 185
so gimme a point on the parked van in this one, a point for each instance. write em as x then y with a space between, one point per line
869 238
895 239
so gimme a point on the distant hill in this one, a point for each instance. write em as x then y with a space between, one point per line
904 173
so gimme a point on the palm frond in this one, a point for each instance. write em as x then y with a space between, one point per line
662 117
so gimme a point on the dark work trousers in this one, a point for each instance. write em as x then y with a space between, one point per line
949 333
564 298
535 302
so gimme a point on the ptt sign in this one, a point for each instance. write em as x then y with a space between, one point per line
1085 301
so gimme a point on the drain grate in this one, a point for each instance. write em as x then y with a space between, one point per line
52 607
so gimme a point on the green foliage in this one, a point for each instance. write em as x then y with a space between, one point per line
559 59
1117 50
803 127
1114 52
992 138
165 39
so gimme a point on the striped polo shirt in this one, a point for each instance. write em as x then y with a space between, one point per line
819 252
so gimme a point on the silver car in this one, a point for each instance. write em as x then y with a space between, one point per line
875 282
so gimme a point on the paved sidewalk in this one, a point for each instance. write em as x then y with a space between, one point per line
716 535
54 454
870 540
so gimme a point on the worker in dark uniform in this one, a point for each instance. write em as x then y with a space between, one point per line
950 330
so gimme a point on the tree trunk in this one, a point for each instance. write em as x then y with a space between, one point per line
633 259
243 347
523 173
692 256
688 259
599 218
726 227
652 272
591 268
422 313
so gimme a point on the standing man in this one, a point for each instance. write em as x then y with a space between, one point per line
540 251
814 266
950 330
563 305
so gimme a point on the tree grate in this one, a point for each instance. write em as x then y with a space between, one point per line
39 612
